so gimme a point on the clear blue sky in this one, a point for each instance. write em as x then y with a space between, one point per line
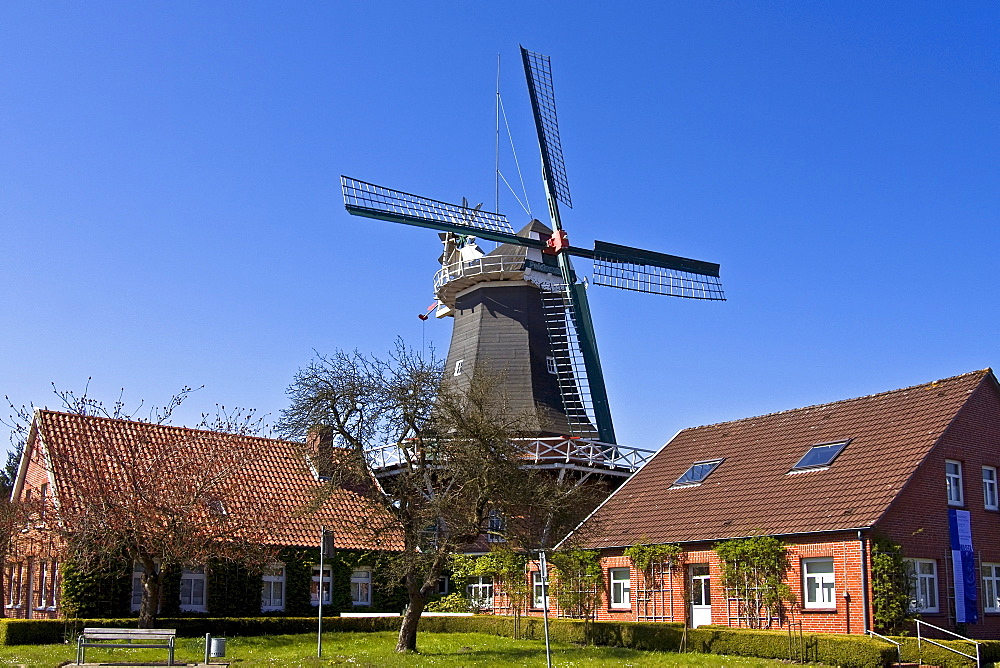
171 215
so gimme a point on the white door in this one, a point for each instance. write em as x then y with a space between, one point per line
701 601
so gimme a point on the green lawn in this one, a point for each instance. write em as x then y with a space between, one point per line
376 649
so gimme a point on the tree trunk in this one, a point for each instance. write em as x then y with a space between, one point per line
407 641
150 605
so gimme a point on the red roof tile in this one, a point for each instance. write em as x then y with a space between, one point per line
270 473
752 492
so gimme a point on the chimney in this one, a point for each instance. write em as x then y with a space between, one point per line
319 449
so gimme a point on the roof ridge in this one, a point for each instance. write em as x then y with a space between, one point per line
128 421
979 372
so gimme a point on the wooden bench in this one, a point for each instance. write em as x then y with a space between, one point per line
130 638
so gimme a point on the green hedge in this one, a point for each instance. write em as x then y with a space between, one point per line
839 650
52 631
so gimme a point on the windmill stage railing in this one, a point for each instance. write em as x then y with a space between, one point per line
556 452
497 264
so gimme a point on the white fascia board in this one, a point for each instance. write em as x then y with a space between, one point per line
22 469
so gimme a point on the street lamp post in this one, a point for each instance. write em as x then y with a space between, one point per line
326 545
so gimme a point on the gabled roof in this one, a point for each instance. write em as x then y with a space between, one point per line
752 491
270 473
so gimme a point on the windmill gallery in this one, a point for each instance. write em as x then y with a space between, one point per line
807 477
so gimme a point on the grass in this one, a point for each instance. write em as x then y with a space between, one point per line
376 649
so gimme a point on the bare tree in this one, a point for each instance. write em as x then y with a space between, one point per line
156 495
439 461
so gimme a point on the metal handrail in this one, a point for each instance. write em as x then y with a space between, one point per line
920 650
899 652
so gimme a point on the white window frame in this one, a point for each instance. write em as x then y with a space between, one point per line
819 587
273 577
361 586
953 482
480 592
327 588
458 366
550 365
621 587
991 587
924 586
537 591
991 500
195 576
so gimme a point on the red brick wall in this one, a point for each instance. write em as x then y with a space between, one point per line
918 518
33 560
669 601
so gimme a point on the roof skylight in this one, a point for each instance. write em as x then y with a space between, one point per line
820 455
697 473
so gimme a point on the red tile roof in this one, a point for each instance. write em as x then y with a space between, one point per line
267 474
752 492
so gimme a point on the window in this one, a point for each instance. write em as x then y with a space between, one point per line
480 592
820 456
193 590
315 587
272 596
953 480
48 574
698 472
42 587
216 507
495 527
550 364
458 367
621 587
15 576
442 586
923 585
361 587
538 590
990 501
991 587
818 583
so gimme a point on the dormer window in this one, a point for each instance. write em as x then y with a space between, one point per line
820 456
697 473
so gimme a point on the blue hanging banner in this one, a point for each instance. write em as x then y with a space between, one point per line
963 566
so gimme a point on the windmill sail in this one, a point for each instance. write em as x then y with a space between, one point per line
657 273
367 199
538 71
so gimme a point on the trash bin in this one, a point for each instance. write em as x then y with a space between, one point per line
218 647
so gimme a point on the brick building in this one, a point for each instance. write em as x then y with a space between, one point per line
274 480
917 465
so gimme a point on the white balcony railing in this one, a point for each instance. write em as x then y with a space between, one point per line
488 264
553 452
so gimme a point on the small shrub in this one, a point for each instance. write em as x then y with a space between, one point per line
453 602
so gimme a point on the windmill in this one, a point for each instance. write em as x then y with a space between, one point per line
520 309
